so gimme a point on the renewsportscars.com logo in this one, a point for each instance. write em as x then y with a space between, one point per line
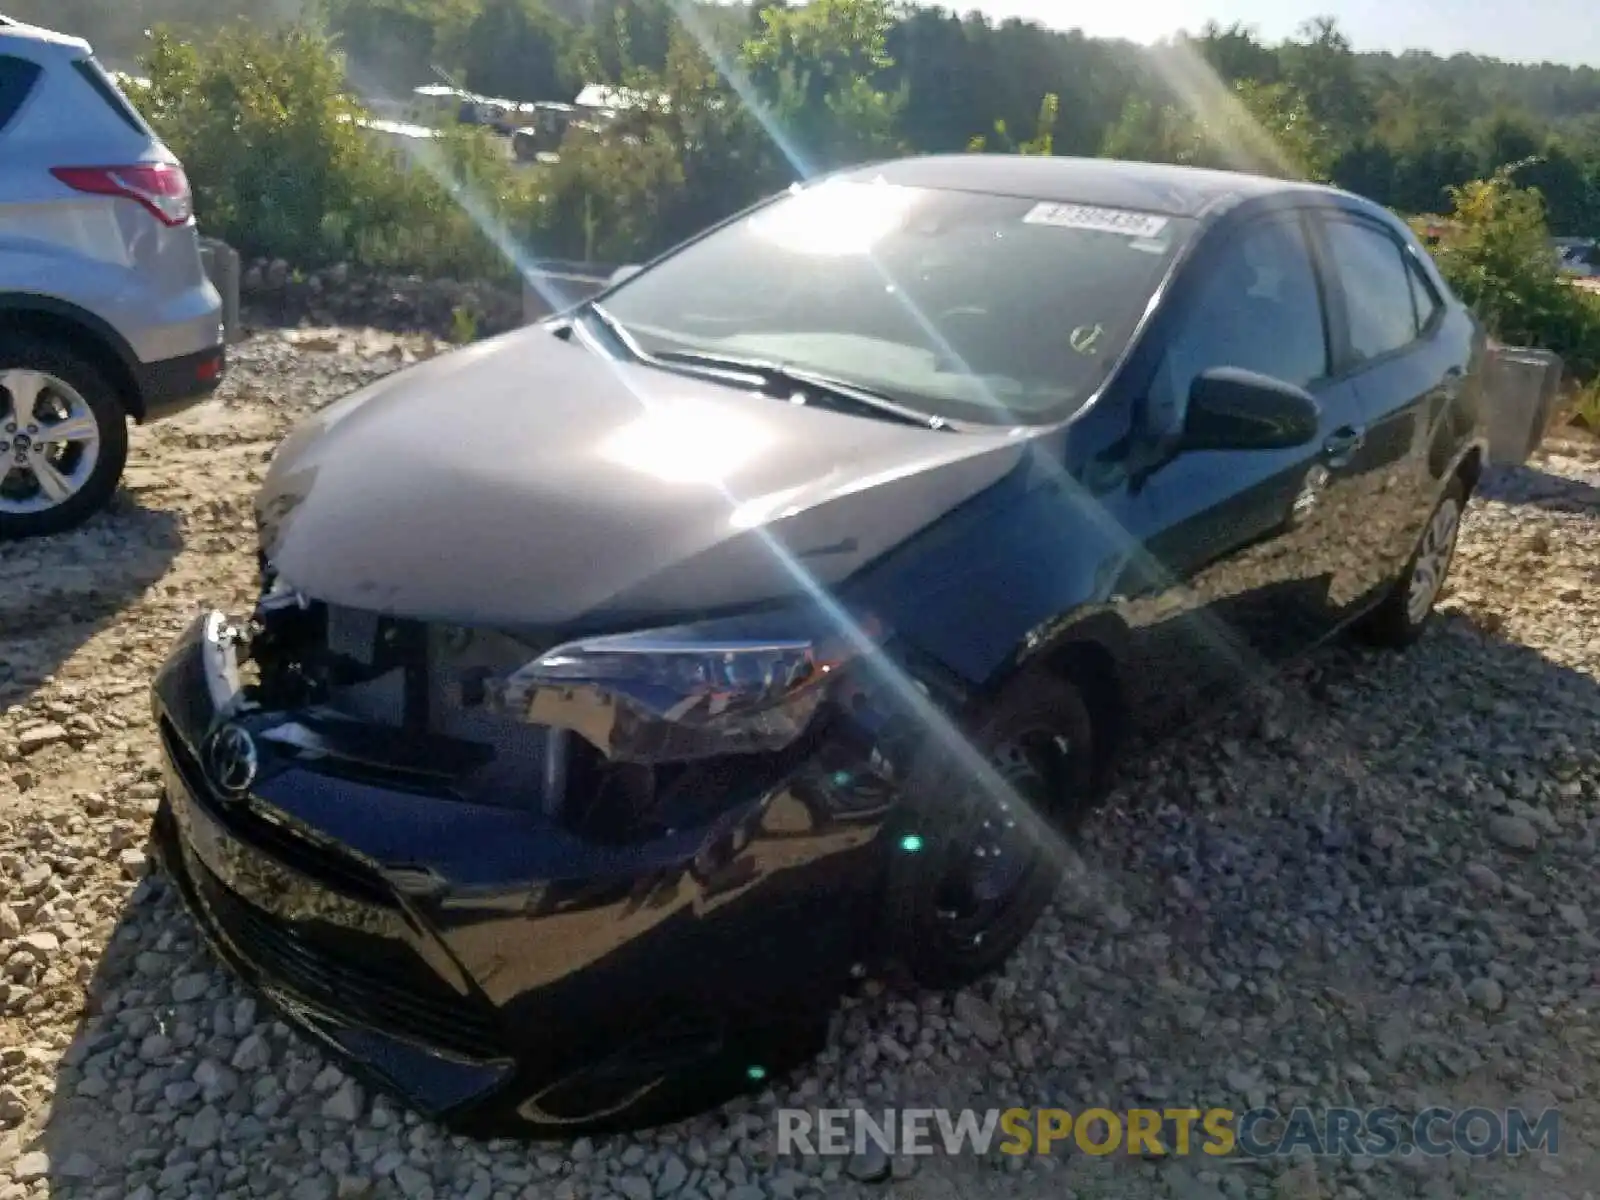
1216 1132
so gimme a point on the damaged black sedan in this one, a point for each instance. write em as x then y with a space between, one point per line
622 687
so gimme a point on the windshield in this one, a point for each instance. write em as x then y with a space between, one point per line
965 306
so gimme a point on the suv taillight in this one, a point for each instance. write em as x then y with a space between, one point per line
162 188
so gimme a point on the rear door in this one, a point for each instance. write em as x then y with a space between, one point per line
1391 341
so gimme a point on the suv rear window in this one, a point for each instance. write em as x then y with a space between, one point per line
17 77
106 88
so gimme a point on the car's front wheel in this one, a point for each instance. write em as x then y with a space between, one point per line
982 849
1404 614
63 438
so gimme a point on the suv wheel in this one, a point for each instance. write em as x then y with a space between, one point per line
1403 616
63 438
985 866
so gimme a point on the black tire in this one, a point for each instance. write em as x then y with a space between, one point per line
1395 624
57 359
1039 738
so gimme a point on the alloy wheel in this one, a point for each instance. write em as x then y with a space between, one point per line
986 871
1433 560
49 441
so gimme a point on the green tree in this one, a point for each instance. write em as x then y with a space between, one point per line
397 44
1042 143
1302 146
1323 70
1264 128
1236 54
818 67
1146 131
518 49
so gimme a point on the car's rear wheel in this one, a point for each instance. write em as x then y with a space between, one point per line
980 854
1404 614
63 438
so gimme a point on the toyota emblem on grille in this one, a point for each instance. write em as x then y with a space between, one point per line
232 760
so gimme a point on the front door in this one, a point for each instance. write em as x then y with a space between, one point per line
1249 540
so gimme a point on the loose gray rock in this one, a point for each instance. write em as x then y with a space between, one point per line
1487 994
345 1103
413 1182
1483 878
189 988
205 1129
1515 833
253 1054
35 1164
674 1174
870 1165
980 1017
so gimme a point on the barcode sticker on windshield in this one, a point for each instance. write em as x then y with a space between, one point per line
1102 220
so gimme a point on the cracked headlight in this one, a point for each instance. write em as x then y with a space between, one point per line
743 686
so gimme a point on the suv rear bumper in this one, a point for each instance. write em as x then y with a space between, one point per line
174 384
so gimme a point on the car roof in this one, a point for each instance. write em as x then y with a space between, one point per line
20 39
1115 183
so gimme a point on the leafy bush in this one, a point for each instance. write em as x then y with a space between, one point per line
1584 406
1495 251
281 167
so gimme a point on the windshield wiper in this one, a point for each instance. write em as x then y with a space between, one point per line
834 393
616 329
725 368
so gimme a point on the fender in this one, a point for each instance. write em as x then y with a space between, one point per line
113 345
11 302
1477 445
1100 627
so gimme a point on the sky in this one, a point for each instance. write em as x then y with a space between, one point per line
1564 31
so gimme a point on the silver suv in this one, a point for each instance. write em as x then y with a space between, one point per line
106 313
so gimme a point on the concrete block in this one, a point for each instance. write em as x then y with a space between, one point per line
222 268
1522 386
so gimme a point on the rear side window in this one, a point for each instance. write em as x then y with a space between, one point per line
17 77
106 88
1378 287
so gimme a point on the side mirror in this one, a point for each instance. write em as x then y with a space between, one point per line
623 273
1233 409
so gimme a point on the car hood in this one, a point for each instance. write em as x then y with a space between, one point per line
528 481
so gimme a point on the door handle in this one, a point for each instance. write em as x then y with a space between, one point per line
1341 447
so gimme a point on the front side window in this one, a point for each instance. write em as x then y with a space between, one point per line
1257 307
962 305
1377 287
1423 297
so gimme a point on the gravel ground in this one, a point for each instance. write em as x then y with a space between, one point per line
1371 884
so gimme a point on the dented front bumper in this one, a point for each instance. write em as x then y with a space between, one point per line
496 970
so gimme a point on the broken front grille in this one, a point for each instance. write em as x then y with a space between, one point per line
425 681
